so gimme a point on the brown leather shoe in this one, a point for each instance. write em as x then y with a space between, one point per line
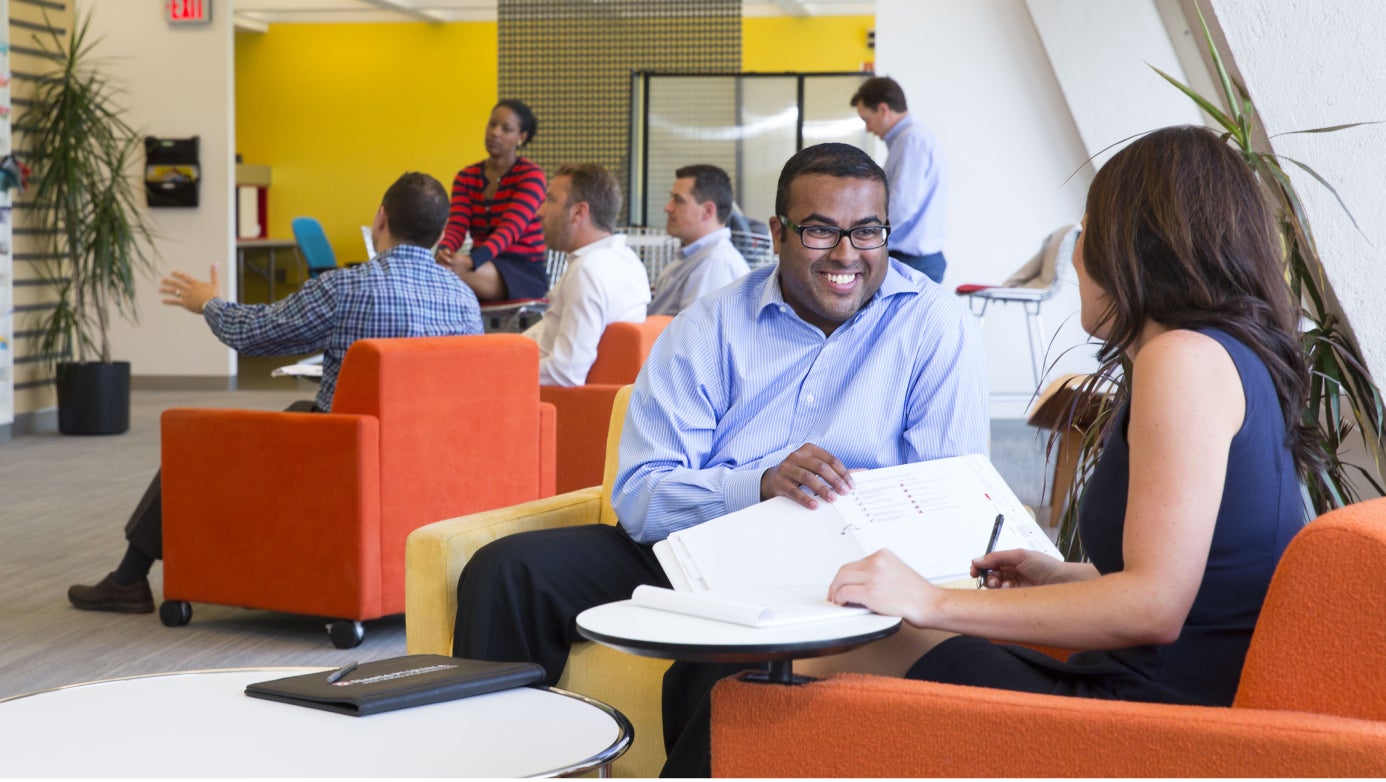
110 596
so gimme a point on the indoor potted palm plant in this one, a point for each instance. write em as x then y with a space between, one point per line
95 238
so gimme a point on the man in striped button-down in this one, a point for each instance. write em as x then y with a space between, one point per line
838 358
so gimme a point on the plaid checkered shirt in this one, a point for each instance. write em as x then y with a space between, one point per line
401 292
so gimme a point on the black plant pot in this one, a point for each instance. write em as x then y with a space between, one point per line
94 398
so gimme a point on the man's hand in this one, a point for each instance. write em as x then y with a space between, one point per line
191 294
809 467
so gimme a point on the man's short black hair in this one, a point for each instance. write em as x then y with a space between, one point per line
710 183
833 159
877 90
416 209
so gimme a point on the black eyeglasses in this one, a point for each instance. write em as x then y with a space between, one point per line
826 237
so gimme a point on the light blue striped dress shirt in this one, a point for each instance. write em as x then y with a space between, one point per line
918 177
738 381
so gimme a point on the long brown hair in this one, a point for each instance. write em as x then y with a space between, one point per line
1179 233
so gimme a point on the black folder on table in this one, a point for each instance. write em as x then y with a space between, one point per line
397 683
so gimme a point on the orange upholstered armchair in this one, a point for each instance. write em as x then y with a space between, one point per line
585 411
308 512
1311 700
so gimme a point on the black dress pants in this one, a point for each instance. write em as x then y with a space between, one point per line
932 265
518 597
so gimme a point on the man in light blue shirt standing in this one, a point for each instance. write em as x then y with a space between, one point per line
700 203
917 174
835 359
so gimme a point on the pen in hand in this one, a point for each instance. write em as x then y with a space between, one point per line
336 676
991 546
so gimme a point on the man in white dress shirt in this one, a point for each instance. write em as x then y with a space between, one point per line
605 281
700 204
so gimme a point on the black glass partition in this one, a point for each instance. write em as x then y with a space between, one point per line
749 124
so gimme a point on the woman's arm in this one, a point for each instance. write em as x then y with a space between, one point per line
460 212
526 192
1187 403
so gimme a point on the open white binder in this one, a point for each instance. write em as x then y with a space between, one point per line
778 557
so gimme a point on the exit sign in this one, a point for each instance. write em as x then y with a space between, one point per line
189 11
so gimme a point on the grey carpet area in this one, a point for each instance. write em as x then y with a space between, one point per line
63 505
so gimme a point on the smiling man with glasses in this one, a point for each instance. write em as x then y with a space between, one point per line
836 358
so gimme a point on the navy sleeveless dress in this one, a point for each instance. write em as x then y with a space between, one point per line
1261 510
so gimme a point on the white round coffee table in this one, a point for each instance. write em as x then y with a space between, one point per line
201 723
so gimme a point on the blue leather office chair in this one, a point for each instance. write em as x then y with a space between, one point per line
313 246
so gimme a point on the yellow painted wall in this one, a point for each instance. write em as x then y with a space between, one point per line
773 44
338 111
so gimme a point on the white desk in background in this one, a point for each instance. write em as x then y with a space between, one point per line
269 247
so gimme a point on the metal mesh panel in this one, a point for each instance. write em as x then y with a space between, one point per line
571 61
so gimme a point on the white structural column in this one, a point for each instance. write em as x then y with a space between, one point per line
1312 65
178 83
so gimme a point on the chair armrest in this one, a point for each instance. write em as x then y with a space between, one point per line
584 417
548 450
434 557
853 725
435 554
247 492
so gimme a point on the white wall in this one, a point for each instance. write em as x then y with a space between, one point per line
1022 94
1312 65
178 83
977 73
1102 53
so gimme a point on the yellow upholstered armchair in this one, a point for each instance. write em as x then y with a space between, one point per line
435 554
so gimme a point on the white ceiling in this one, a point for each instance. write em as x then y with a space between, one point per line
258 15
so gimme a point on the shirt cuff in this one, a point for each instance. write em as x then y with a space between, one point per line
742 489
480 256
212 309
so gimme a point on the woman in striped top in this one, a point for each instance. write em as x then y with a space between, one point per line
496 201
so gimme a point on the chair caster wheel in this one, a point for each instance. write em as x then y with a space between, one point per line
175 613
345 633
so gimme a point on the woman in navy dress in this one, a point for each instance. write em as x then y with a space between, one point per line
1196 492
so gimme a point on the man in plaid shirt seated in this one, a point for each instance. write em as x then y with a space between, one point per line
401 292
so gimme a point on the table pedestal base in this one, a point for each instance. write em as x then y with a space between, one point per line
781 672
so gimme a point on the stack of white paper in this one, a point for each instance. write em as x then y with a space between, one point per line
937 516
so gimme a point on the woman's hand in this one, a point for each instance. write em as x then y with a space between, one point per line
1019 568
457 262
885 584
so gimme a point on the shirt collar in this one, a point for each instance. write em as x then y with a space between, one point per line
707 241
613 242
403 251
899 128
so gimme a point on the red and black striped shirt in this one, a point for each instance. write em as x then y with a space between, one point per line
507 223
